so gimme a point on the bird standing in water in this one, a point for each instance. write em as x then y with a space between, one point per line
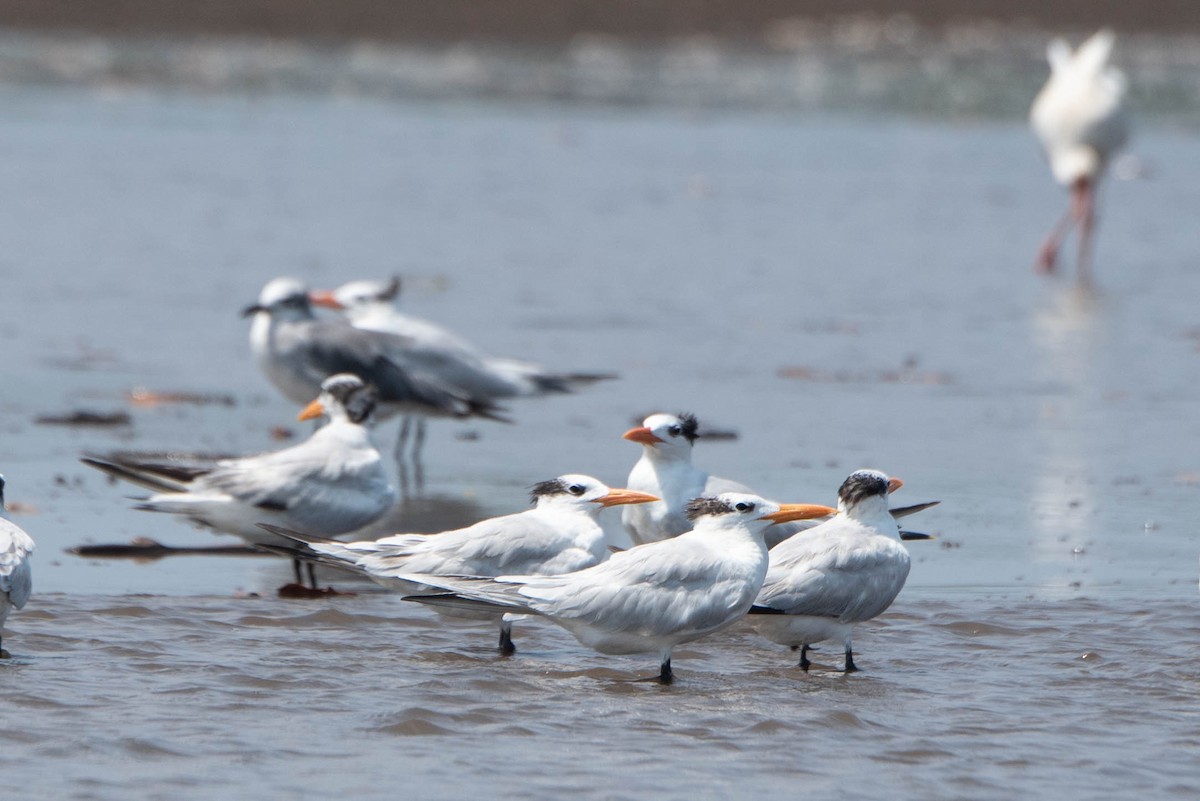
1081 120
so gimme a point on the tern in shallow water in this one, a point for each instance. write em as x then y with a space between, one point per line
370 305
665 469
16 578
296 351
560 534
333 483
845 571
652 597
1081 120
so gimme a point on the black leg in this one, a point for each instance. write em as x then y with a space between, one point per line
417 456
665 676
506 644
3 654
312 575
296 570
804 663
850 666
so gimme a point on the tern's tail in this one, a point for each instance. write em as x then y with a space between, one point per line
311 548
471 592
157 475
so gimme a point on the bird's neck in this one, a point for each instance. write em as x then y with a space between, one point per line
872 512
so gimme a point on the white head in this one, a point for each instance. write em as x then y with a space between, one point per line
344 397
283 299
666 436
750 511
357 298
865 493
582 492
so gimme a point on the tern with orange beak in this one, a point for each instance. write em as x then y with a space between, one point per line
457 363
560 534
843 572
333 483
296 352
1081 120
650 598
665 469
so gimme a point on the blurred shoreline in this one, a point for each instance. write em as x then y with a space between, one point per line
670 55
557 22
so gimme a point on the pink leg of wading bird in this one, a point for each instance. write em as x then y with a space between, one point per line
1082 211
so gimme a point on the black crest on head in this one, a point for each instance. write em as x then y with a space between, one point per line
689 426
392 289
862 485
349 390
555 486
699 507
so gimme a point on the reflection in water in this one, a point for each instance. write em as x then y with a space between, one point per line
1069 335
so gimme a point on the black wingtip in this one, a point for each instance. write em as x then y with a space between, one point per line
765 610
910 536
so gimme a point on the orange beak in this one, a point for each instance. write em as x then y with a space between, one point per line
314 409
643 436
799 511
619 497
894 485
324 297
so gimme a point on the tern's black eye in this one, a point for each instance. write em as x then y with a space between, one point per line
576 489
744 506
674 431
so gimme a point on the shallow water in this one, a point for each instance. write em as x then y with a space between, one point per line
841 291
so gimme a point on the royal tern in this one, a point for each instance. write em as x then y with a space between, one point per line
333 483
665 469
652 597
296 351
369 305
559 534
16 578
845 571
1081 120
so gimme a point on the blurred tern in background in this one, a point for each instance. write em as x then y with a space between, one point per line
16 577
845 571
1081 120
559 534
665 469
296 351
652 597
369 305
333 483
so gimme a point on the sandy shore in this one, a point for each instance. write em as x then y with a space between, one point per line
550 22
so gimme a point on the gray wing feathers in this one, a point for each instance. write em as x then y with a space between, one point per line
329 348
846 583
16 578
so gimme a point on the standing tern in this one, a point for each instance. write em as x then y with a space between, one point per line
652 597
369 305
16 578
560 534
845 571
334 482
296 351
1081 120
665 469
